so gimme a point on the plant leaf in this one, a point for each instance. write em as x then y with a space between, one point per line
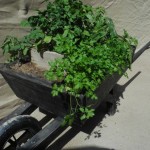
25 23
83 117
47 39
25 51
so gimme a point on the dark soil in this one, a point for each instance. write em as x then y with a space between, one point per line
29 68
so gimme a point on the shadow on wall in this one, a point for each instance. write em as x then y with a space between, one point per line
96 121
89 148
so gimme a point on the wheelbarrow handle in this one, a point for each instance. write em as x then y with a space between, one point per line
141 50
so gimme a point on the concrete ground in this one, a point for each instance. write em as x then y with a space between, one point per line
129 127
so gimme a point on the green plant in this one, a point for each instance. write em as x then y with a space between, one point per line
91 47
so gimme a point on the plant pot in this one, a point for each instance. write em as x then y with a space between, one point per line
42 60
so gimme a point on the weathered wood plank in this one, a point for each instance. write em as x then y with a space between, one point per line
43 138
45 120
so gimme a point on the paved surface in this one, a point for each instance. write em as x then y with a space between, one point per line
129 128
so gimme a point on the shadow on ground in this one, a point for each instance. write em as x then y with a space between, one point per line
89 148
96 121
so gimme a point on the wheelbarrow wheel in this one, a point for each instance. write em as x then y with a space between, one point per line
16 131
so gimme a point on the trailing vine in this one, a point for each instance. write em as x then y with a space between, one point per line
91 47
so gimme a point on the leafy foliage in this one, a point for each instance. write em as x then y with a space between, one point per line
91 47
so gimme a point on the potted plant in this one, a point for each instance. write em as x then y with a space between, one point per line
94 58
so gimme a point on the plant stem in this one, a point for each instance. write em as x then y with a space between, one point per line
70 104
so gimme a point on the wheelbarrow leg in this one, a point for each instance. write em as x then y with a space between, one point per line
111 103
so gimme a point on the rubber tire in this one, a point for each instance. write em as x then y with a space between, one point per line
16 124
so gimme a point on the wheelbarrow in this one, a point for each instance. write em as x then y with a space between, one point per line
33 134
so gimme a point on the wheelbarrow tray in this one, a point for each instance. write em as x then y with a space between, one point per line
38 91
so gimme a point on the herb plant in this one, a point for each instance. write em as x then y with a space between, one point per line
91 47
